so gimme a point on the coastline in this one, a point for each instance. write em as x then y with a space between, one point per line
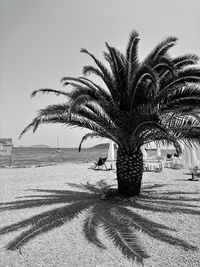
40 157
33 166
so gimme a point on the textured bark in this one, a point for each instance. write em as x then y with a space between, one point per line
129 172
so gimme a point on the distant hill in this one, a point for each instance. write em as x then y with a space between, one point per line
102 146
40 146
35 146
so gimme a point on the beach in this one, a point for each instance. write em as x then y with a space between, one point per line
46 215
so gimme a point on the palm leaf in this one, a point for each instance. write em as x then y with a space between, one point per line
119 72
145 72
160 50
189 75
107 77
48 91
132 58
89 135
186 60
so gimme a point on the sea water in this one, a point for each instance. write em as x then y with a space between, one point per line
49 156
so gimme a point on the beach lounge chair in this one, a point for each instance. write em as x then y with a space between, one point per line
193 177
99 164
168 161
152 165
173 161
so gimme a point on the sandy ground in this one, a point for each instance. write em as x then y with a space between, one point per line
45 221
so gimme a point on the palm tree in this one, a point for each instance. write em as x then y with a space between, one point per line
157 100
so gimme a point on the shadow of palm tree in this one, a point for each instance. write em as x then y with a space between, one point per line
117 216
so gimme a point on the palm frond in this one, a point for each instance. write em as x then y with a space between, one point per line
48 91
84 95
163 66
186 60
102 112
132 57
144 75
161 49
143 127
27 128
189 75
82 118
183 127
181 97
131 50
75 104
107 77
89 84
105 93
117 64
87 70
89 135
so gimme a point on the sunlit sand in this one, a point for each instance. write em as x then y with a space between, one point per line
42 225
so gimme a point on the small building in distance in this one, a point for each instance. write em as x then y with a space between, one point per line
5 146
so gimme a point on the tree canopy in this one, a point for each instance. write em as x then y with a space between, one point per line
157 99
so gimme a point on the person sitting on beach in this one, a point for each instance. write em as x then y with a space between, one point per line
169 156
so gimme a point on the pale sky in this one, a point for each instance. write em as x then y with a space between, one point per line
40 42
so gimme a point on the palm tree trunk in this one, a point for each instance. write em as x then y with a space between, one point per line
129 172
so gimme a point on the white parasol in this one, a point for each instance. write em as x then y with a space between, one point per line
158 151
111 152
144 152
191 156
